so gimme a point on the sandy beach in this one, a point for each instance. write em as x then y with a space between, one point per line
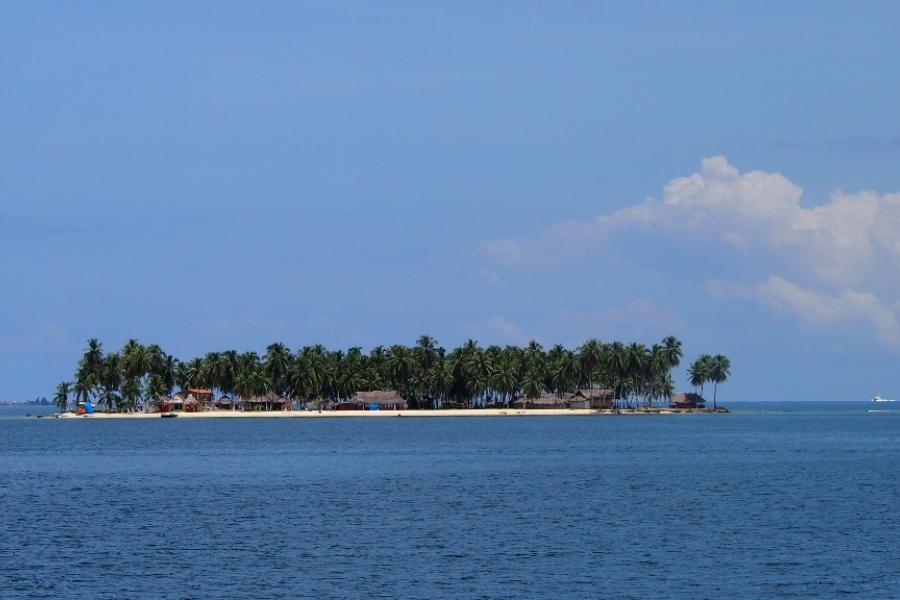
327 414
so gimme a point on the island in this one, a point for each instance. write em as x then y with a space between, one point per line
140 381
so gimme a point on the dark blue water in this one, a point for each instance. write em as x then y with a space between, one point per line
756 504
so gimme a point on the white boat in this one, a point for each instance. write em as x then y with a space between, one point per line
880 399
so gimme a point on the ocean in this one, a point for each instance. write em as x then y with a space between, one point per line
775 500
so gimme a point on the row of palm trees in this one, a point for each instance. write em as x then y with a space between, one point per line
425 374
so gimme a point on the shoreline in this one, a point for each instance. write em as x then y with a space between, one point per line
423 413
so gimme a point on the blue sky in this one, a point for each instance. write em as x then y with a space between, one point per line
223 175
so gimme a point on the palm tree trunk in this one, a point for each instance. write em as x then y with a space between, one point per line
715 391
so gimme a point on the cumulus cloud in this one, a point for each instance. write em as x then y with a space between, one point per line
849 308
843 254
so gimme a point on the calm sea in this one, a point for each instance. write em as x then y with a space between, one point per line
771 501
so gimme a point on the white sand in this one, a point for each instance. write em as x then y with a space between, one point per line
314 414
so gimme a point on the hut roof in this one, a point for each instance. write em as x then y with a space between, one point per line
591 394
191 401
542 400
379 397
270 397
688 397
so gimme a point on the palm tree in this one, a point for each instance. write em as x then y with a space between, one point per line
83 386
475 384
168 369
310 375
672 348
251 381
719 372
566 372
590 354
534 356
427 354
90 369
616 362
226 370
699 372
137 359
442 380
299 382
661 388
401 366
157 388
349 376
656 368
377 369
637 357
533 385
213 367
93 355
427 351
506 380
110 380
131 393
277 361
61 398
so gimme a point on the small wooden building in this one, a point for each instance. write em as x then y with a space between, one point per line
543 401
226 403
687 400
267 402
204 396
374 400
166 404
588 398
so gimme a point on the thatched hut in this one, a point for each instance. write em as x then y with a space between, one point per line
267 402
166 404
687 400
159 404
201 395
589 398
542 401
226 403
375 400
191 404
204 396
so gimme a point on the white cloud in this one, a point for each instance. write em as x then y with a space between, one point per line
850 308
845 252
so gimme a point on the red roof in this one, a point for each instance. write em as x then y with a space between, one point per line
199 391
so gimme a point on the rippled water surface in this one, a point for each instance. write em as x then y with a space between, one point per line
773 501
